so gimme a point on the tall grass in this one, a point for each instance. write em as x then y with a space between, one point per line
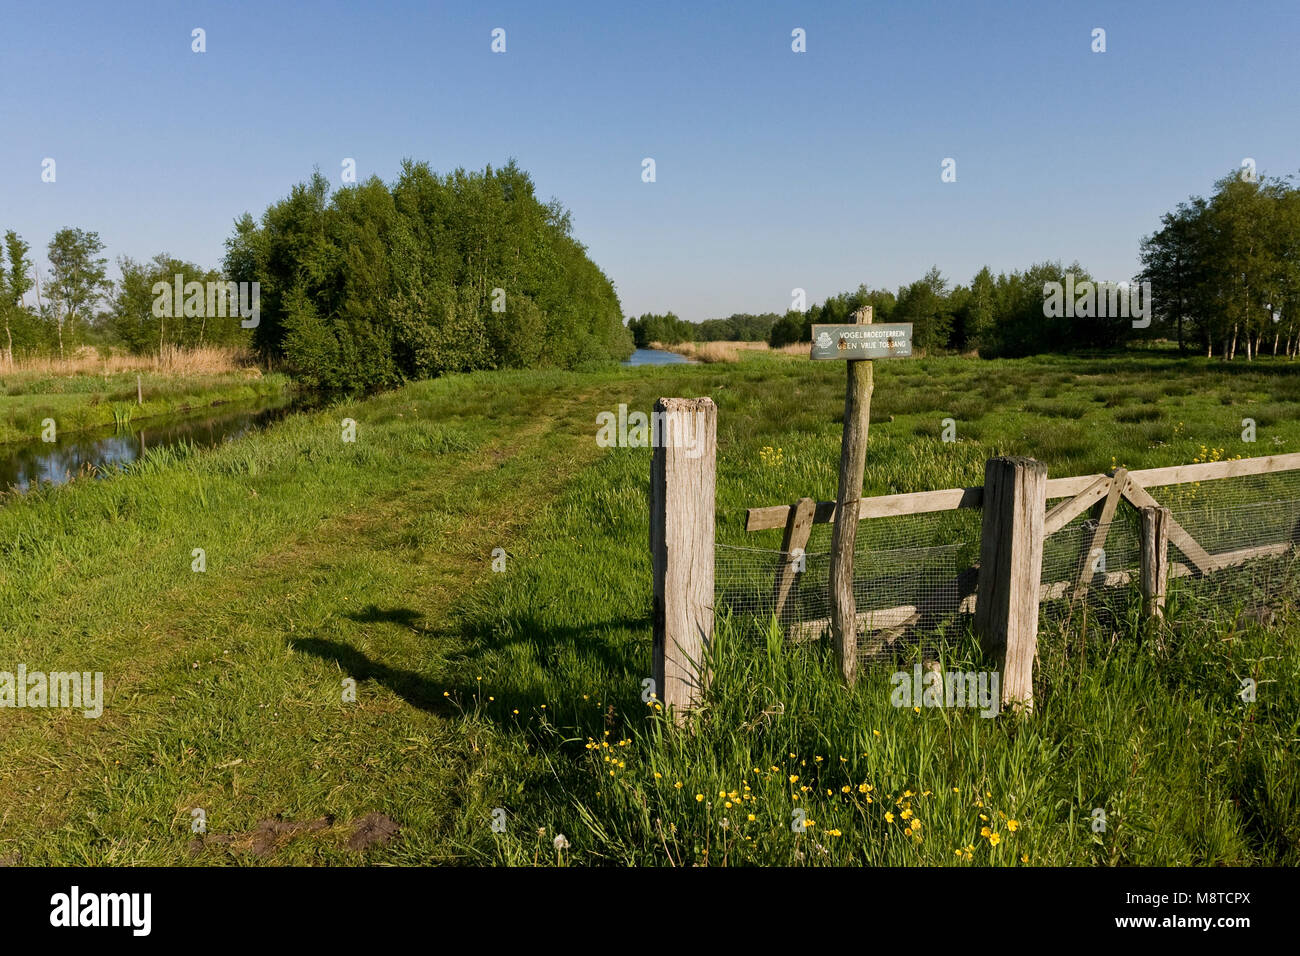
711 352
786 766
203 360
121 415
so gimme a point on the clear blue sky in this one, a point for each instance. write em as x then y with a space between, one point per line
775 170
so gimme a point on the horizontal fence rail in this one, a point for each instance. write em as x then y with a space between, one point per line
950 499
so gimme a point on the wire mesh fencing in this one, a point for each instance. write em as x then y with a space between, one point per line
913 580
1249 525
915 576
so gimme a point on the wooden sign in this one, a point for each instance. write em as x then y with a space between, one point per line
862 341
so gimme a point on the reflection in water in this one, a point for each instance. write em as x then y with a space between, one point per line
657 357
89 452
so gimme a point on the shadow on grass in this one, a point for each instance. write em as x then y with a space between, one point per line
532 664
372 614
524 689
416 690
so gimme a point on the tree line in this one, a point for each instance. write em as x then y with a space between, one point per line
998 316
1222 275
668 329
362 287
76 304
372 284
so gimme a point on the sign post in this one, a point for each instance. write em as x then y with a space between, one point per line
858 344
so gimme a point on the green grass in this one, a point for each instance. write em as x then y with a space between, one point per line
87 401
478 690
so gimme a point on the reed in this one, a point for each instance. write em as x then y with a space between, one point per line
87 360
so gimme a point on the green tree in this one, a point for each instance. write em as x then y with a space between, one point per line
1225 270
78 280
15 281
978 314
1240 266
1285 304
1174 261
787 330
924 303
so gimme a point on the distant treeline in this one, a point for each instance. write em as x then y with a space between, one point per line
1223 275
668 329
1000 316
375 284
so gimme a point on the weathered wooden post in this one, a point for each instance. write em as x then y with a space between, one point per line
858 344
844 536
1011 563
1155 562
798 527
683 474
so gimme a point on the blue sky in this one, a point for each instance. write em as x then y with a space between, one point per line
775 170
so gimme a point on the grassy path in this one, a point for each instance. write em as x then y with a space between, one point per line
225 688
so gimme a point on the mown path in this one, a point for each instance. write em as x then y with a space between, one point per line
225 689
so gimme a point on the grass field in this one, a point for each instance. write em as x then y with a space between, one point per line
92 391
521 690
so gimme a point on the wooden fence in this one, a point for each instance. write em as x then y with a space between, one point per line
1003 591
1016 522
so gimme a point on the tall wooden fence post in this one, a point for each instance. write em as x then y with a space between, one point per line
1155 562
1011 563
844 536
683 474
